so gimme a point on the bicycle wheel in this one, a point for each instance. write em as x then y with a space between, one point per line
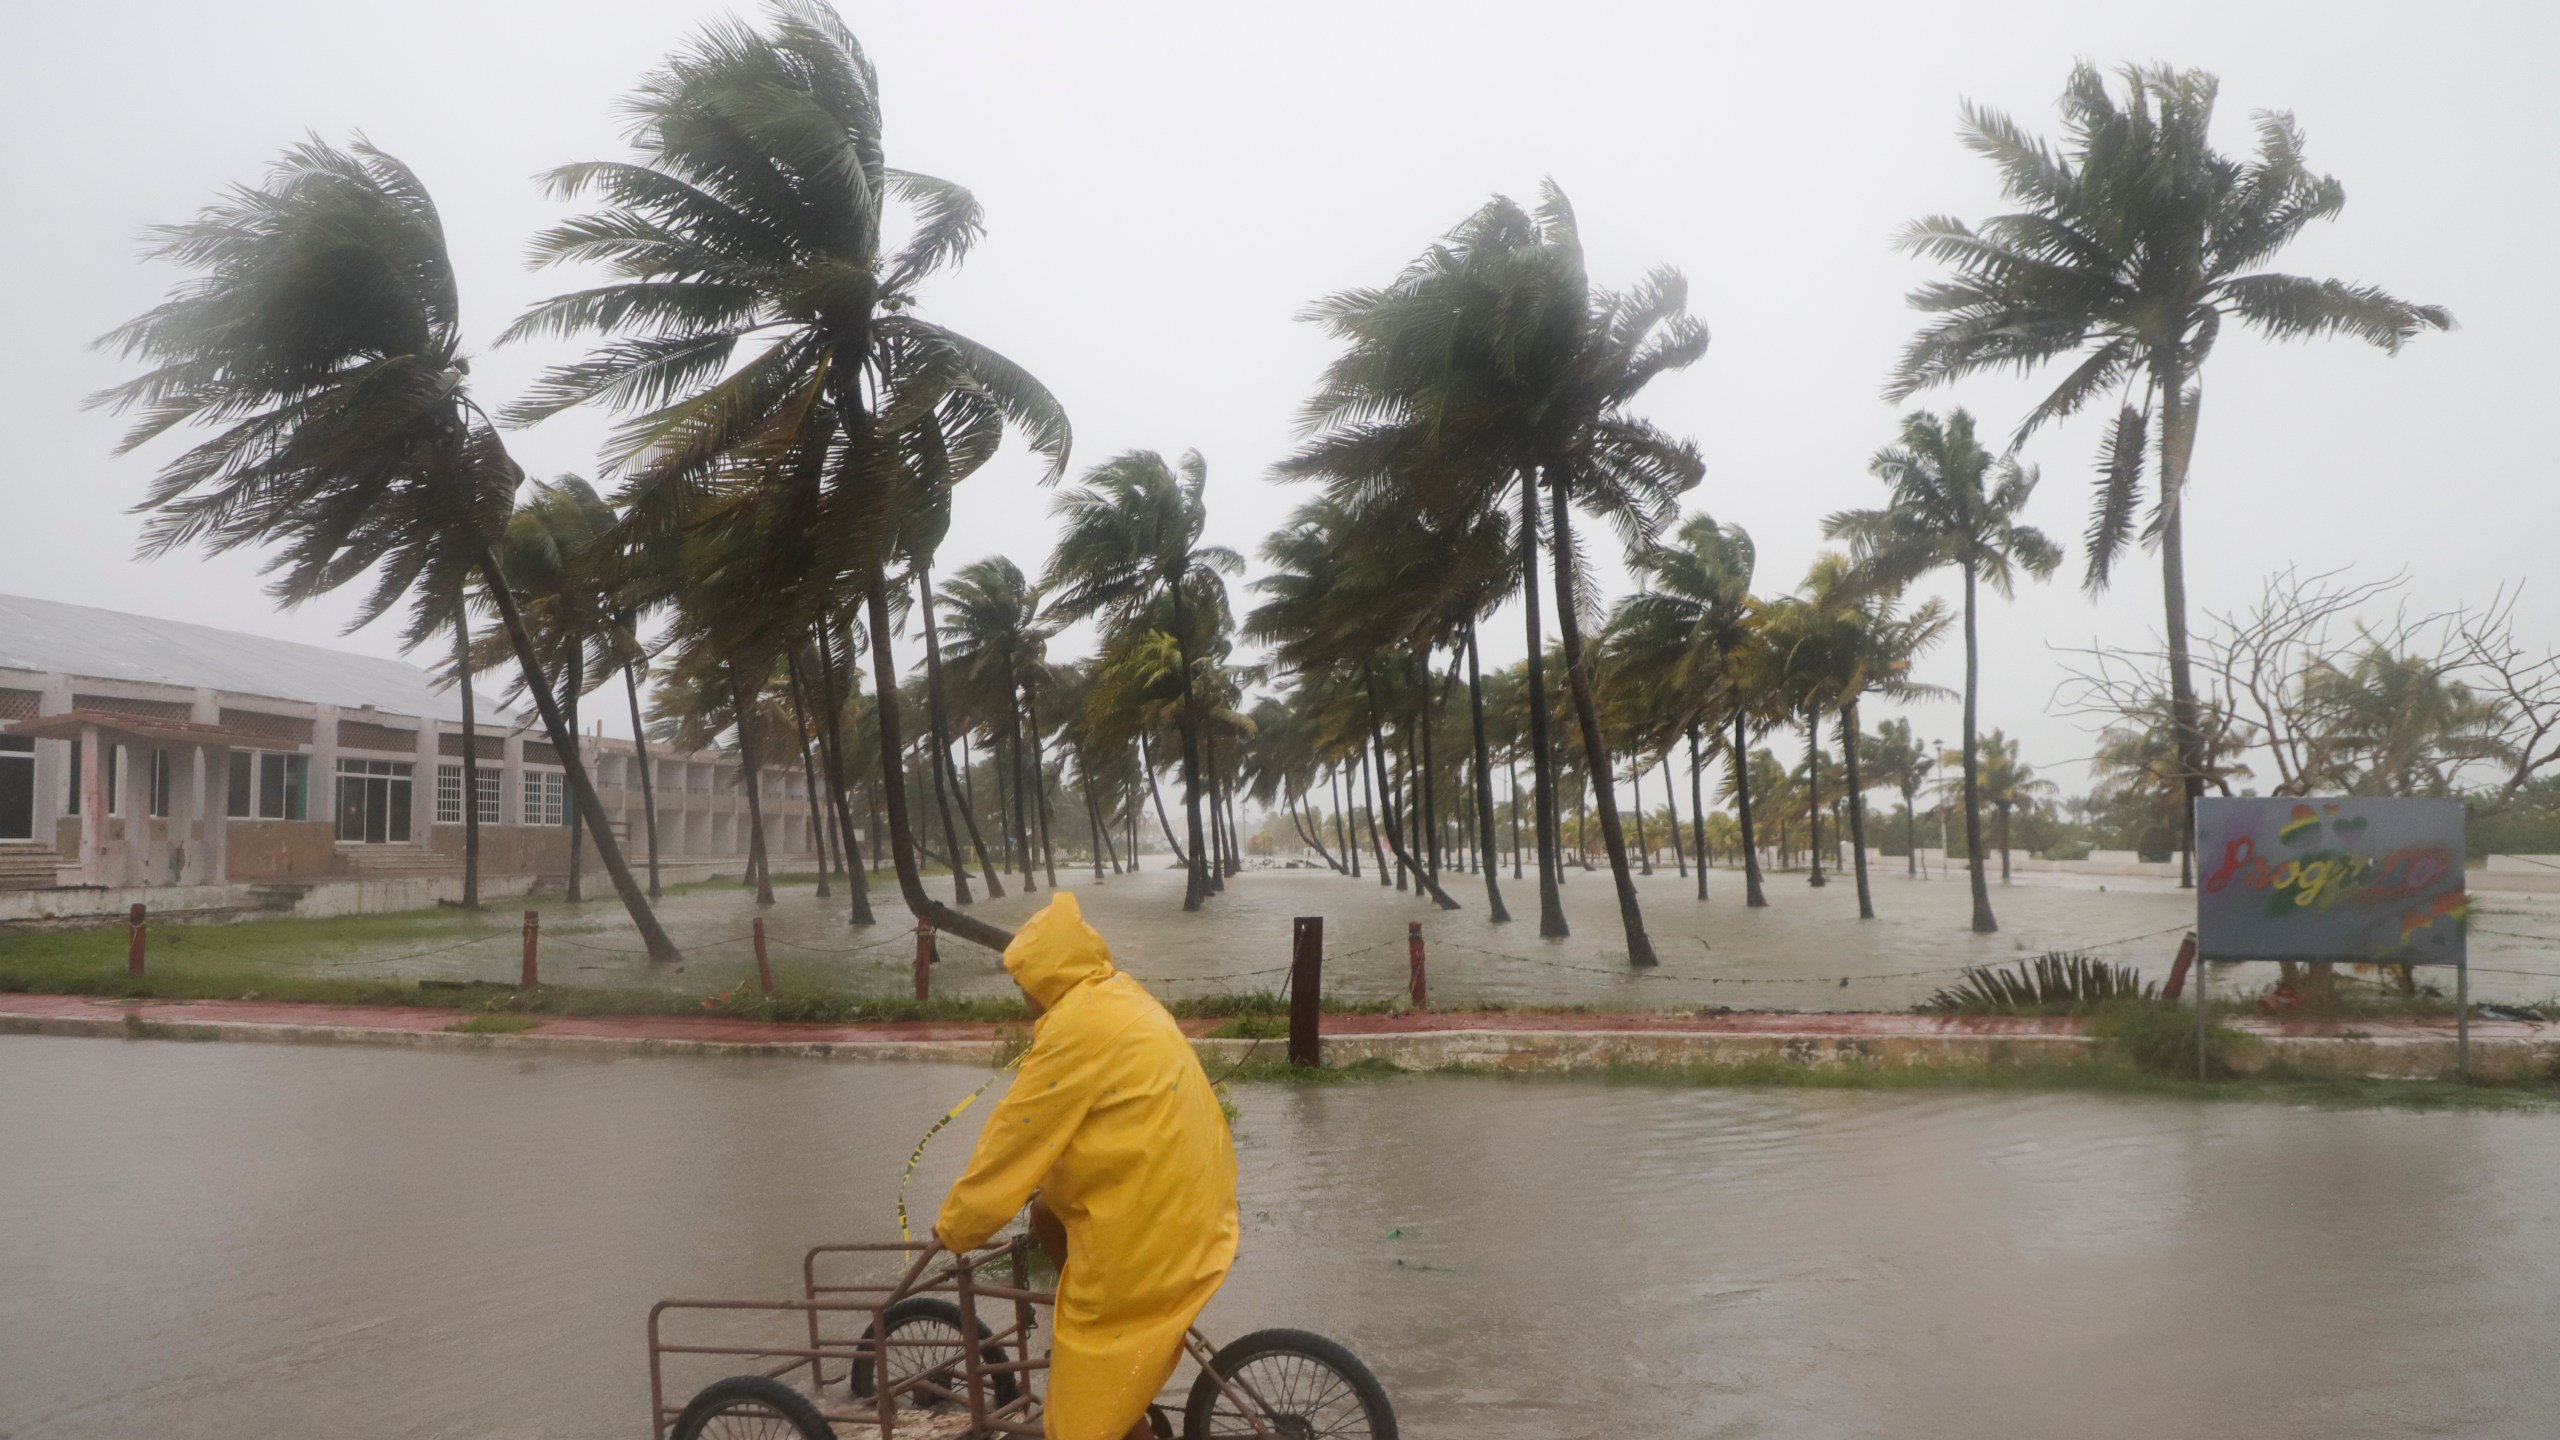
929 1332
1304 1387
751 1407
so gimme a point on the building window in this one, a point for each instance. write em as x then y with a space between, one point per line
17 788
546 798
373 801
160 768
449 794
267 786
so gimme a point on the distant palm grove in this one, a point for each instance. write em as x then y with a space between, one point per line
764 563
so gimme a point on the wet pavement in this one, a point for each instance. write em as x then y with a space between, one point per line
202 1242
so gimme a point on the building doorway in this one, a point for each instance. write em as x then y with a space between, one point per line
373 802
17 788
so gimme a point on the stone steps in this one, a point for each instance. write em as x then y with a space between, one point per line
25 867
395 862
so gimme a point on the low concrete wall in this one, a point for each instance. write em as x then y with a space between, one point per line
509 849
295 850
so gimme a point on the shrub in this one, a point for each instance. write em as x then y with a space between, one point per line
2160 1039
2058 982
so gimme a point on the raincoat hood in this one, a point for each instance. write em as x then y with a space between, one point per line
1055 951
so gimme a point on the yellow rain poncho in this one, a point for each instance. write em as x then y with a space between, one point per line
1112 1120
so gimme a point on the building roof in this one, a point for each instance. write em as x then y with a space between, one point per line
80 640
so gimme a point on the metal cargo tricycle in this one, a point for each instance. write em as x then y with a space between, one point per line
914 1342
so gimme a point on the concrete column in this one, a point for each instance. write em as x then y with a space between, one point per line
215 795
93 808
322 796
422 784
511 780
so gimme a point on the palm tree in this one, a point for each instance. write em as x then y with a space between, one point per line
997 644
1857 642
2399 726
1492 363
758 312
2134 244
1133 538
1893 757
323 337
1953 504
1690 627
2012 786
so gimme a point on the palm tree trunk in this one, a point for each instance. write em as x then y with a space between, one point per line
1910 828
892 752
471 764
1147 762
1422 881
1586 709
1313 829
1813 795
1635 787
1092 811
987 869
1195 885
577 818
938 728
1377 842
808 777
1697 810
1350 851
1542 755
1003 762
1671 811
581 788
1983 924
1857 807
1752 895
832 742
1485 845
2004 842
2177 445
1217 817
1395 772
649 781
749 752
1039 791
1021 792
1428 714
1511 771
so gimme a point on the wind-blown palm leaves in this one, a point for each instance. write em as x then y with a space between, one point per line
2133 244
759 315
1953 504
1489 365
1691 627
322 341
1131 541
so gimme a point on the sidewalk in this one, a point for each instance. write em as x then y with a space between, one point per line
1503 1040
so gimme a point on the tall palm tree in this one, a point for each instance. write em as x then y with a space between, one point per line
2400 725
1953 504
322 336
1491 364
757 310
2133 244
1690 626
997 644
1132 539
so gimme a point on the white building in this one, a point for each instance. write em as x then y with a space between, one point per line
146 753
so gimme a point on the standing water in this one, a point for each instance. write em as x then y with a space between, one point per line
224 1241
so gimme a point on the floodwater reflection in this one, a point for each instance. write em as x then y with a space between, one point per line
227 1241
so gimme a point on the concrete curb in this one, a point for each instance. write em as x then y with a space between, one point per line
1491 1050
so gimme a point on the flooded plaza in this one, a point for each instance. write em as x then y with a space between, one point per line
212 1241
1794 954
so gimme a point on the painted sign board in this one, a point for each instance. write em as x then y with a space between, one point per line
2330 878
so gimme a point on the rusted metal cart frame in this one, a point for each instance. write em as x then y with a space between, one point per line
828 1357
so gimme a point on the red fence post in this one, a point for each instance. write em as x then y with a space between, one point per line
532 976
1306 990
924 961
764 967
134 942
1413 951
2177 982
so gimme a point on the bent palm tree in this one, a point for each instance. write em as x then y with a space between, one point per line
1946 511
2135 244
1132 538
324 339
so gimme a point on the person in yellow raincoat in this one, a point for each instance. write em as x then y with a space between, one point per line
1113 1122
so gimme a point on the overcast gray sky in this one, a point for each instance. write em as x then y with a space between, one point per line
1167 184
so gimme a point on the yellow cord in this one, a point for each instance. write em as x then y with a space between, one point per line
947 1117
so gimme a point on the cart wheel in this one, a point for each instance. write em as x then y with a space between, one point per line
751 1407
1309 1388
934 1328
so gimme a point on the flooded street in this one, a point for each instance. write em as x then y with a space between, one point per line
1792 955
216 1242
